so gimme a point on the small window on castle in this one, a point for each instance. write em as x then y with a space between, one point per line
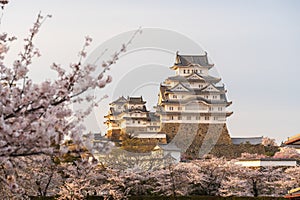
133 121
188 71
184 71
132 107
200 86
139 122
220 109
197 117
206 118
196 70
171 108
215 118
172 117
179 108
200 71
179 118
211 108
188 117
174 96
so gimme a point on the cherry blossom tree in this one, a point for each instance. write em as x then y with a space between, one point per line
287 152
243 181
293 174
214 170
266 141
36 117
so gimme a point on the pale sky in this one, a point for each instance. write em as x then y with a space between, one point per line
255 45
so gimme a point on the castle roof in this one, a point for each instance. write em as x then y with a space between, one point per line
208 89
188 60
136 100
197 98
195 77
293 140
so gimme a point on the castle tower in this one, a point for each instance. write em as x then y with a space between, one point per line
193 100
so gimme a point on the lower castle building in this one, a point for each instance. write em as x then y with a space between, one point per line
129 117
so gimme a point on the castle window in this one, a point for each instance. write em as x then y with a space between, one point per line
133 121
211 108
200 86
179 108
220 109
184 71
188 117
215 118
196 71
215 97
200 71
139 122
171 117
175 96
171 108
206 118
179 118
197 117
188 71
132 107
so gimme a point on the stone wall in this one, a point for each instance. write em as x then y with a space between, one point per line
196 139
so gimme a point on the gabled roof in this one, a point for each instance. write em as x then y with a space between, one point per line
179 87
186 60
199 99
207 88
195 75
208 78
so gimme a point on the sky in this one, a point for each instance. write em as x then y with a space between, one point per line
254 45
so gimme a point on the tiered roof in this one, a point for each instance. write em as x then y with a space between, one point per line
195 77
187 60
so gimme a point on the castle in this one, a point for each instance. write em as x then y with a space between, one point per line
191 108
